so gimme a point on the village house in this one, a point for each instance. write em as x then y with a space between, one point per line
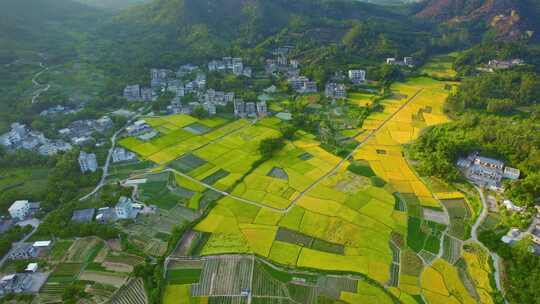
210 108
302 85
357 76
514 235
132 92
22 251
106 215
15 283
262 109
20 137
335 91
159 78
186 69
80 132
122 155
485 171
229 64
494 64
407 61
87 162
58 110
31 267
138 127
239 108
250 109
19 210
510 206
142 130
126 209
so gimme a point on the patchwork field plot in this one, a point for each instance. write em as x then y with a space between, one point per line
179 134
440 66
452 249
419 102
361 99
221 279
341 209
460 217
327 229
424 235
441 283
477 265
84 250
132 293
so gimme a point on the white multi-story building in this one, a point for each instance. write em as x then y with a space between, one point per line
121 155
19 209
262 109
335 90
87 162
357 76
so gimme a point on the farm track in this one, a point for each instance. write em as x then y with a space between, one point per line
474 239
109 156
39 91
350 155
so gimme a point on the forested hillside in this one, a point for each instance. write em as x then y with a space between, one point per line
49 27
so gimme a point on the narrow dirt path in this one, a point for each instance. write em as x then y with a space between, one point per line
474 239
40 90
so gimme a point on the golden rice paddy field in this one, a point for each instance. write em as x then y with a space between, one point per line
343 223
384 151
440 66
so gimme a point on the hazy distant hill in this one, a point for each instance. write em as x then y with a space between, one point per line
112 4
41 25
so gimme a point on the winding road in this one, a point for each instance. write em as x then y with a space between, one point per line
41 90
474 238
108 160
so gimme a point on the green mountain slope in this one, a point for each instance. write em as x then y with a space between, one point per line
41 25
167 32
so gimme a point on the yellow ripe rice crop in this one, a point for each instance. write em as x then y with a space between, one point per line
327 261
325 207
366 293
284 253
432 280
448 195
268 217
259 237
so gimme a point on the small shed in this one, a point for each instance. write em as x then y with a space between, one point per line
32 267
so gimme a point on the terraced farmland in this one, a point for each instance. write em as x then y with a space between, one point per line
224 278
132 293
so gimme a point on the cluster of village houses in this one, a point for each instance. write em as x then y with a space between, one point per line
22 137
407 61
23 210
77 133
489 173
88 161
495 65
165 80
125 209
21 213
